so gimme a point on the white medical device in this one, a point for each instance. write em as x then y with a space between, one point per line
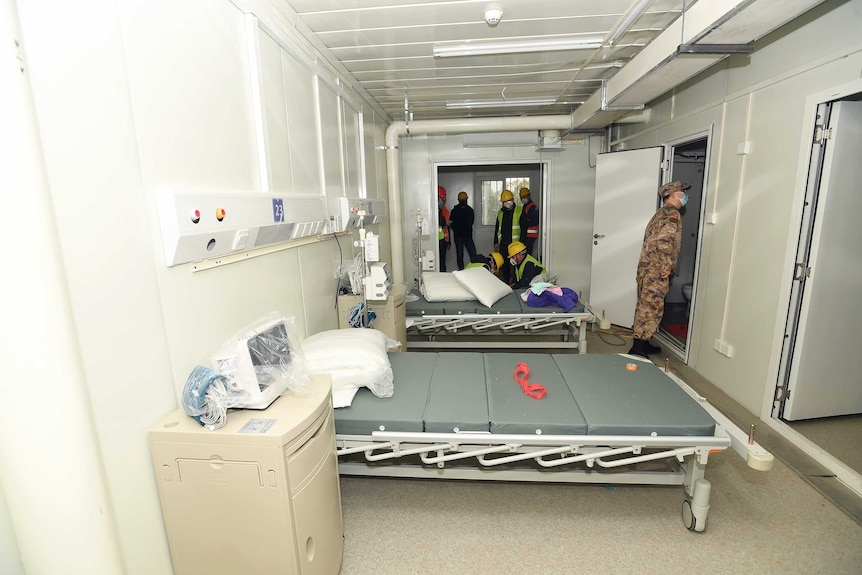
255 365
356 212
372 247
378 282
429 261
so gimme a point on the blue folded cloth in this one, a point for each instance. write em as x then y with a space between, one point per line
567 300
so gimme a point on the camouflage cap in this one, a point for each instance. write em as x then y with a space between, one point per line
670 188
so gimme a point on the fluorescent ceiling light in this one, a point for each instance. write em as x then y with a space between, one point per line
500 103
514 47
625 24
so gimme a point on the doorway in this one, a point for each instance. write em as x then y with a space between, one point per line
483 184
819 392
688 164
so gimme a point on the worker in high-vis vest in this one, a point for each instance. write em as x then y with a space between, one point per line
442 226
529 220
492 263
507 229
526 266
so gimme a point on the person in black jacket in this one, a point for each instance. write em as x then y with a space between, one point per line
529 221
461 224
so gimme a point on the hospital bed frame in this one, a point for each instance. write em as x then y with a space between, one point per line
472 324
591 458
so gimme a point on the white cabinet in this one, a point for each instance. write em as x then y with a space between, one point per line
391 314
260 495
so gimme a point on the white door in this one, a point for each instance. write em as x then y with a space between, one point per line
626 198
824 378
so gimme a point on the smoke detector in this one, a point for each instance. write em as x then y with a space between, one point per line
493 16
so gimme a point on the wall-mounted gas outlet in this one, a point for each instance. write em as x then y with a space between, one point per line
198 225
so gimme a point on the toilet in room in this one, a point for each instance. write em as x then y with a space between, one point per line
686 293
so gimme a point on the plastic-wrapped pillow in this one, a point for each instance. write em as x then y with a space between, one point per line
442 286
485 286
354 358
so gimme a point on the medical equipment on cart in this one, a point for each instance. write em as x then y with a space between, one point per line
251 370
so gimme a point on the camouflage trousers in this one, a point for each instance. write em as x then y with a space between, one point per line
652 290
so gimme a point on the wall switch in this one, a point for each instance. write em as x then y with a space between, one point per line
743 148
712 218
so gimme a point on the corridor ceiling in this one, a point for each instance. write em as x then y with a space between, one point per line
386 49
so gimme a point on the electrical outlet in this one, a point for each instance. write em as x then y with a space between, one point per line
723 348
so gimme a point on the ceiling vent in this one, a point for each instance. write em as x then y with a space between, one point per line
550 141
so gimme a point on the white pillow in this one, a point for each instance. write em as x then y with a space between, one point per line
487 287
354 357
442 286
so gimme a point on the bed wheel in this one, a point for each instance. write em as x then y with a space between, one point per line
688 518
696 509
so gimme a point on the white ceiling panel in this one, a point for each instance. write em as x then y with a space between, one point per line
387 48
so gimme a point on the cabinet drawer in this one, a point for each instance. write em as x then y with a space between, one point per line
302 462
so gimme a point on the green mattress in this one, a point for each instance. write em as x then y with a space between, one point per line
449 392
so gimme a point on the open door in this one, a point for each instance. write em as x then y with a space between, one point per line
823 374
626 186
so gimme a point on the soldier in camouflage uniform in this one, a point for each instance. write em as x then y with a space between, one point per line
659 255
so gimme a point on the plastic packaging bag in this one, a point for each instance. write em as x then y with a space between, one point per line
251 370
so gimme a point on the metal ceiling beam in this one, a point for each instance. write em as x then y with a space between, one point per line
659 67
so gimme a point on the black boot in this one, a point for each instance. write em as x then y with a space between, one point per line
638 348
651 349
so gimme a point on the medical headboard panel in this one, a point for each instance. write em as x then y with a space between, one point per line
198 225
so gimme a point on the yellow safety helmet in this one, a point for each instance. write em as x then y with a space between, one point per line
516 248
524 192
506 196
498 259
462 196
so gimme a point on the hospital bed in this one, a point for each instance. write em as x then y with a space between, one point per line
473 323
605 419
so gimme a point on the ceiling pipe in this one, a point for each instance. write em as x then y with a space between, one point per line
454 126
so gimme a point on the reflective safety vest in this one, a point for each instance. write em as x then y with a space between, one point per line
516 225
477 265
532 231
519 271
443 231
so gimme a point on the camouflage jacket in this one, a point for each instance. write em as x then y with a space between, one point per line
662 239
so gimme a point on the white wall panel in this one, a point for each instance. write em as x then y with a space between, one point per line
331 138
304 137
189 78
354 186
317 264
275 121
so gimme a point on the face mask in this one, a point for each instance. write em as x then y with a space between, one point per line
439 203
684 199
508 204
513 261
525 200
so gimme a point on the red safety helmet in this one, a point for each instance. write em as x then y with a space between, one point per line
441 193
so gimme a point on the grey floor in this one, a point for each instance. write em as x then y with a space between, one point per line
773 522
839 436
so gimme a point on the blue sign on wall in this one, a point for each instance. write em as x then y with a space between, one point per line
277 210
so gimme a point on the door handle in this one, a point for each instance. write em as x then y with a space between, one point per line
597 236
